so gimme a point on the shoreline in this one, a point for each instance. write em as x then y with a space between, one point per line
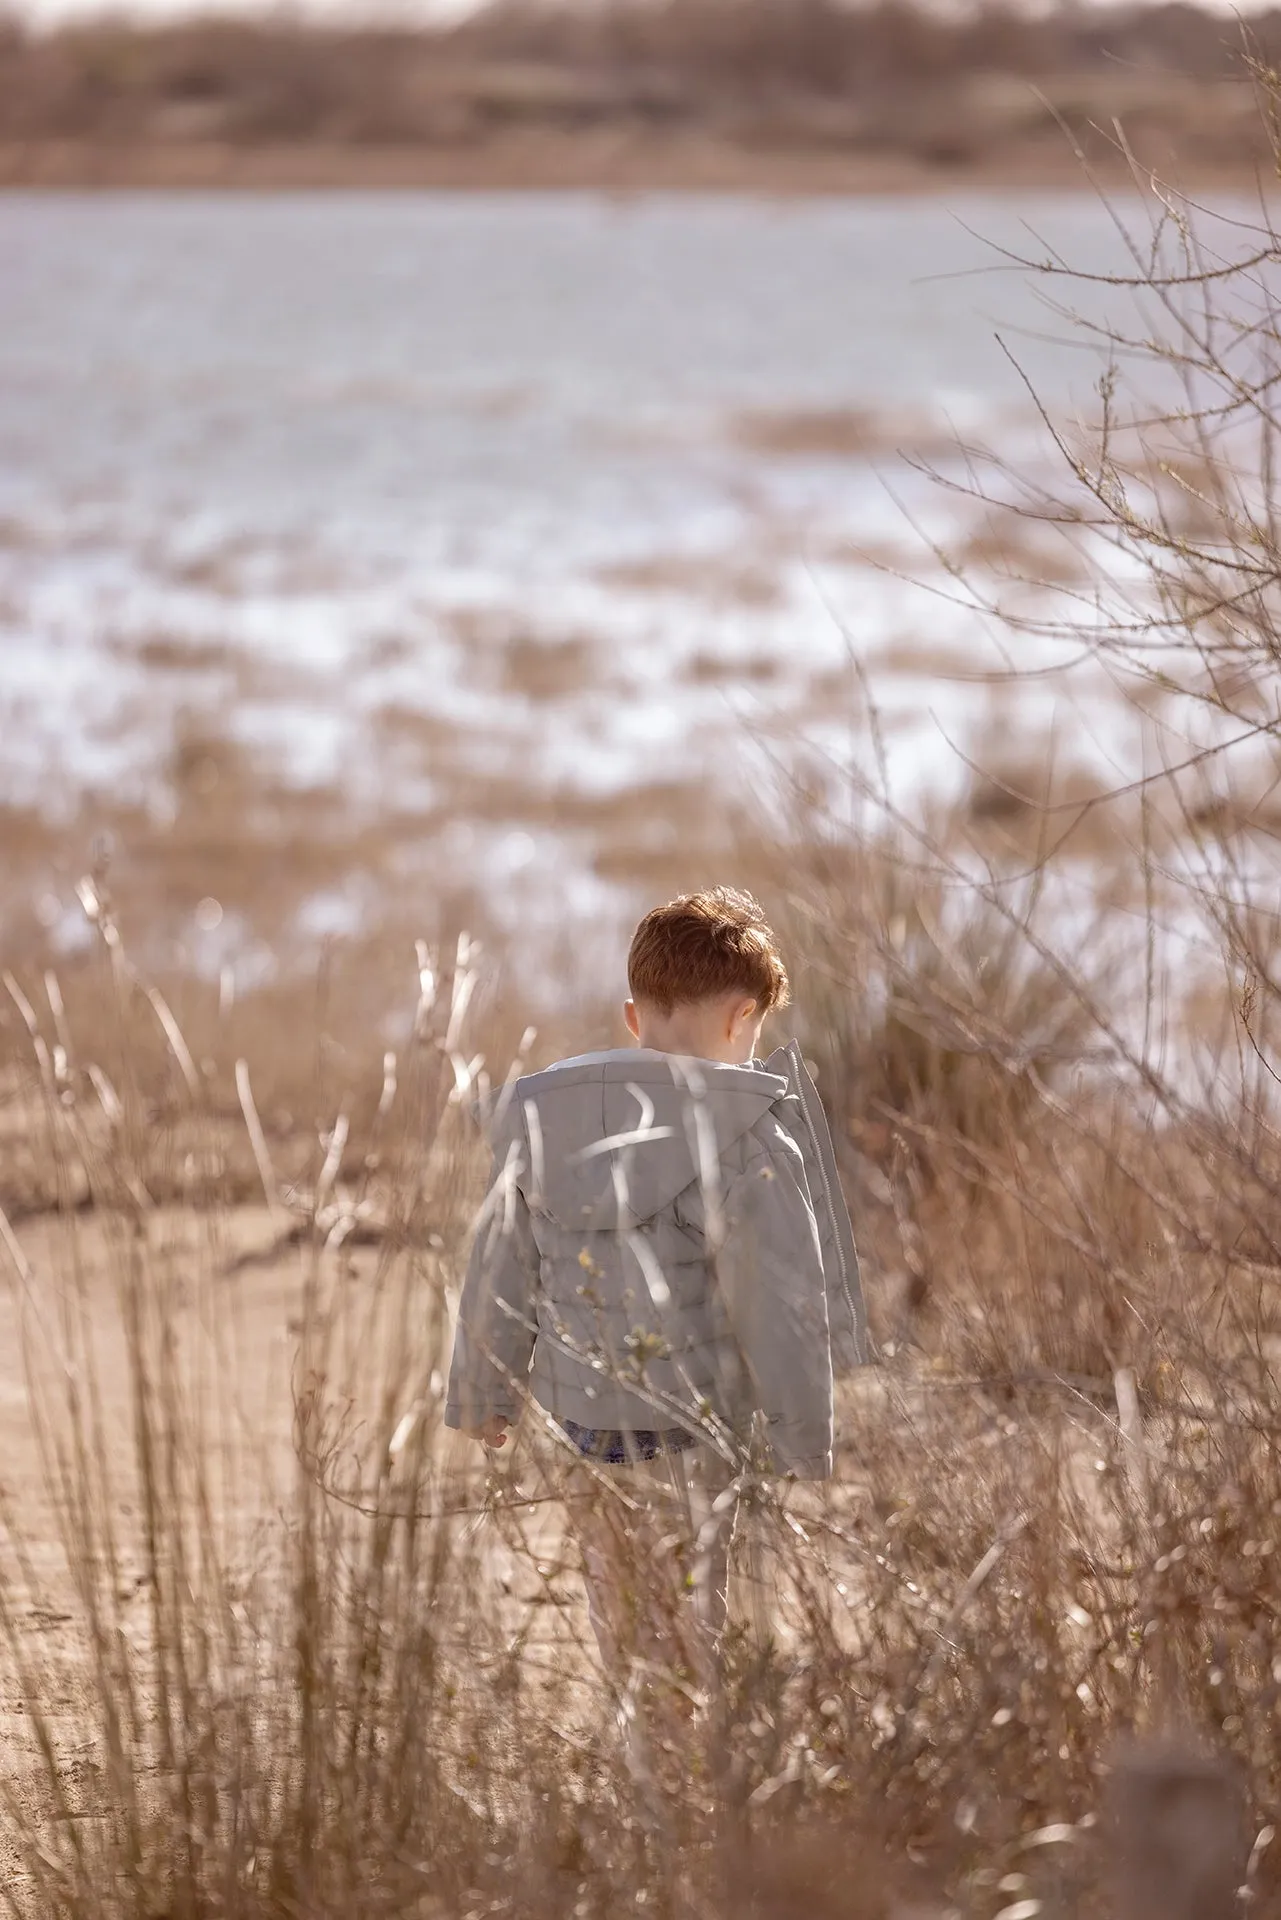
586 163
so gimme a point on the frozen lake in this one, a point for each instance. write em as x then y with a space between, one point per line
505 505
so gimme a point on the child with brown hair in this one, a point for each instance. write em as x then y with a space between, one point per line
665 1265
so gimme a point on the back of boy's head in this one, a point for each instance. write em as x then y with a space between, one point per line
703 946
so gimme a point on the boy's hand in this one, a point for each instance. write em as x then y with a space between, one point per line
492 1433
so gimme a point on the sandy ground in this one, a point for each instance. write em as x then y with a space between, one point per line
74 1270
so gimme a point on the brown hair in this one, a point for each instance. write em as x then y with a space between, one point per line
703 945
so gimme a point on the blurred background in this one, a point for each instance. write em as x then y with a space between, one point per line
479 471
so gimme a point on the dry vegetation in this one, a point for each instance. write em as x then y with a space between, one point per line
272 1648
698 92
268 1647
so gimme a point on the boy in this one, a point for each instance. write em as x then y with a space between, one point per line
665 1265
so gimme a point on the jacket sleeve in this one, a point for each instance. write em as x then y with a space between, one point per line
849 1347
846 1312
769 1269
494 1341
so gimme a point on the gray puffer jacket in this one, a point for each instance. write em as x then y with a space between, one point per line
664 1240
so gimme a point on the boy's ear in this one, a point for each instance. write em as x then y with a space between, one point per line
629 1015
742 1016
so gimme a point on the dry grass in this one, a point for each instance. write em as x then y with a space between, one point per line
252 1682
1021 806
535 667
163 653
707 669
834 433
722 579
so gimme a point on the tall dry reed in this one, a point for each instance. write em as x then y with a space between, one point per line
273 1646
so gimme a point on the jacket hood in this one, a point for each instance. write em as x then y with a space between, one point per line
608 1140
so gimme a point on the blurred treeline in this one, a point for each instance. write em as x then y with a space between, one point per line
891 77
